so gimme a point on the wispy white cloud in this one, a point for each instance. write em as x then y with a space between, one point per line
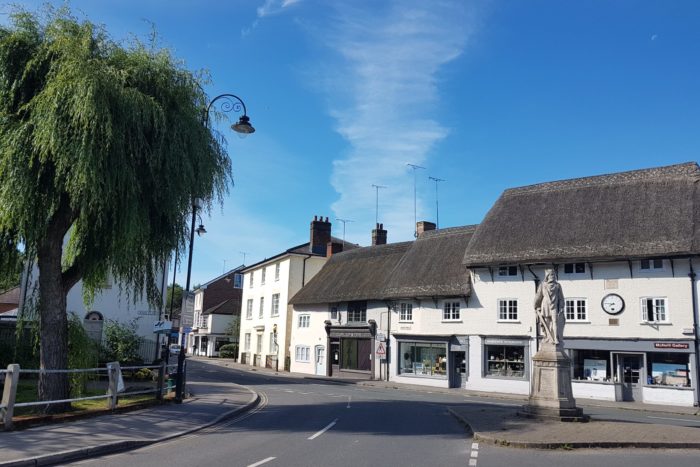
270 7
383 100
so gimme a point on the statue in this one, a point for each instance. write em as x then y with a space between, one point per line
549 306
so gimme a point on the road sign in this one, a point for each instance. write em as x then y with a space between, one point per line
381 351
380 336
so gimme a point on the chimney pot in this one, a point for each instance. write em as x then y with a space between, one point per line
379 235
320 235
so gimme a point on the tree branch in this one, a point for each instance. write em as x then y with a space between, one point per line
71 276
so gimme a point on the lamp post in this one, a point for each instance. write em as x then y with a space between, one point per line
229 102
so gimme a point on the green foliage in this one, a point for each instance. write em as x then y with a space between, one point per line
107 137
121 342
145 374
228 351
234 327
82 353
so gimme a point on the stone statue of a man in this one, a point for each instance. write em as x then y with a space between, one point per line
549 305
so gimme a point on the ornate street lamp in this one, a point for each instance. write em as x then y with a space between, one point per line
229 103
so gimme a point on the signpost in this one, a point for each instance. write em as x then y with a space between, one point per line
381 350
162 327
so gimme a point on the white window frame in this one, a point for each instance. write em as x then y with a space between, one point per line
261 311
451 311
304 321
505 312
259 344
405 312
262 276
275 305
277 272
246 342
302 353
573 305
662 313
237 281
651 265
251 280
249 309
573 268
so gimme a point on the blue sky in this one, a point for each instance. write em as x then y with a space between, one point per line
485 94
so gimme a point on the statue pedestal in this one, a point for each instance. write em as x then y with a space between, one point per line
550 388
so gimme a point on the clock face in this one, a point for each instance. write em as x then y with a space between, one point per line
613 304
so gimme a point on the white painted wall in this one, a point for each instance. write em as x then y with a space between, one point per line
666 395
598 391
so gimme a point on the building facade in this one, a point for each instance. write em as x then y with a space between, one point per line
266 317
625 250
217 306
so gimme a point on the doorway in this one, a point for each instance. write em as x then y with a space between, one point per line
629 375
320 359
335 358
459 369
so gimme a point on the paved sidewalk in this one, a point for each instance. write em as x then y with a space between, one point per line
211 402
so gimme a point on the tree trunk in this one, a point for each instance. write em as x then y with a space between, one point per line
53 324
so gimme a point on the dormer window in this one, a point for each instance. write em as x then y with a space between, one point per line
651 264
507 270
575 268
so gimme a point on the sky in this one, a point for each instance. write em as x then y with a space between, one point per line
485 95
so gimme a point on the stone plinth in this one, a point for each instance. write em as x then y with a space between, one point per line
550 388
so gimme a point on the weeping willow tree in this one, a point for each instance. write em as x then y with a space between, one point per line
102 149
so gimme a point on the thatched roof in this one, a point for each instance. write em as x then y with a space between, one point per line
643 213
433 266
359 274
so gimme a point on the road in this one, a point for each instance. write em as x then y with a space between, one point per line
313 423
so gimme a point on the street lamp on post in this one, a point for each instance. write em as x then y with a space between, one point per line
229 103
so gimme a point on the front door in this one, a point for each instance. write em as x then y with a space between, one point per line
335 358
459 369
320 358
629 370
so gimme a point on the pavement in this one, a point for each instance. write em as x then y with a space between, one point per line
213 401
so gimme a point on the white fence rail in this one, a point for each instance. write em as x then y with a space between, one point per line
115 386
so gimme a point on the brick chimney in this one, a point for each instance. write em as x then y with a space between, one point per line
320 235
424 226
379 235
333 248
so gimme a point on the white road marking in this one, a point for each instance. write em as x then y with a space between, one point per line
676 419
317 434
475 454
472 462
264 461
475 446
349 398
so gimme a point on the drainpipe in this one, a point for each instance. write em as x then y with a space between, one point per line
388 341
693 293
303 271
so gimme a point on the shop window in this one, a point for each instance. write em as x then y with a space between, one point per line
406 312
506 361
355 354
668 369
576 309
591 365
654 310
220 341
575 268
507 270
357 312
423 358
507 309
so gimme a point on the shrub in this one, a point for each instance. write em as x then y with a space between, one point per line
121 342
228 351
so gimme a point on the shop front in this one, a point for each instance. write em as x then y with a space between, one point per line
431 360
351 351
651 371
